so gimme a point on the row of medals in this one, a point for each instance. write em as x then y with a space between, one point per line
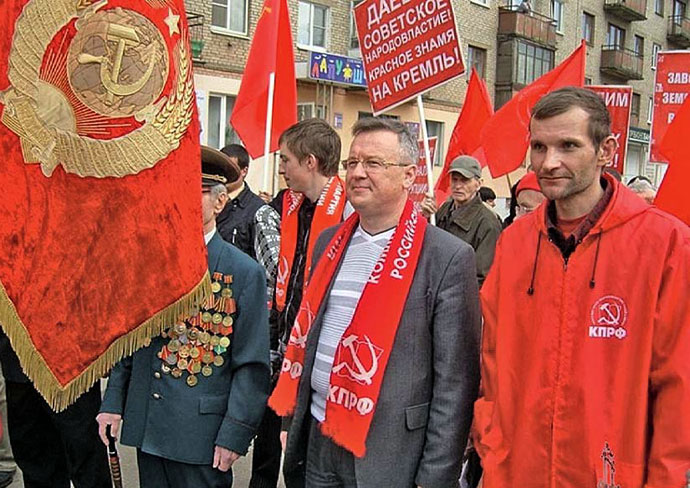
197 344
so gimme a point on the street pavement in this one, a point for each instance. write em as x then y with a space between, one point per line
130 476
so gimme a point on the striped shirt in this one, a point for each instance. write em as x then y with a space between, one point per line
360 258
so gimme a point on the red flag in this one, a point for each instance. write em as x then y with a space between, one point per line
476 110
672 196
271 52
100 219
505 137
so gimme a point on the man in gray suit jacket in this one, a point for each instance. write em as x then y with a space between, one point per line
409 402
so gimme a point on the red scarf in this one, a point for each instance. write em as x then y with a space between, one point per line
363 351
328 212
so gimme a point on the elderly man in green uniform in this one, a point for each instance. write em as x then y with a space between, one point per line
191 401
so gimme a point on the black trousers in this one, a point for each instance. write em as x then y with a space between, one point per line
53 449
157 472
267 452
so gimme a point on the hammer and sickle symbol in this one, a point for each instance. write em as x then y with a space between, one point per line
612 314
296 336
362 374
125 37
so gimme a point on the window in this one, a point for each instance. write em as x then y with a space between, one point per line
476 57
639 45
679 9
659 7
532 62
650 109
354 40
310 110
220 132
557 14
435 129
588 28
615 37
655 50
229 15
312 23
635 110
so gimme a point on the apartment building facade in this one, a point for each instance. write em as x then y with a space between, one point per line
510 45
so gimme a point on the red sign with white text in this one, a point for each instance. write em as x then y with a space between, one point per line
420 187
408 47
671 88
618 100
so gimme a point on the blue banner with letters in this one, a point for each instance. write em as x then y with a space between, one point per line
337 69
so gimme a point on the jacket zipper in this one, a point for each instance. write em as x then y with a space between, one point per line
552 481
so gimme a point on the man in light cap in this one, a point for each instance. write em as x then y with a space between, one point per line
192 400
464 215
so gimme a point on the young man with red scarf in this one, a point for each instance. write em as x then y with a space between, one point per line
314 201
585 370
381 367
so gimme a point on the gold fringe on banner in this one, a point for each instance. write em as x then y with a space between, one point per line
60 397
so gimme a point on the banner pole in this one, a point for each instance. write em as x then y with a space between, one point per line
427 152
269 124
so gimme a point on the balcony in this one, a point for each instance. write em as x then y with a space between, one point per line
621 63
196 34
628 10
531 26
679 31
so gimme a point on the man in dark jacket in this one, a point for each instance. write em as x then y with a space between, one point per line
237 222
464 214
55 449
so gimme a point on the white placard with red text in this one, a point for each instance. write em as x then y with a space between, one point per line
618 100
408 47
420 187
671 87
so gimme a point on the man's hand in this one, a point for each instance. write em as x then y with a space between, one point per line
105 419
223 459
428 206
266 197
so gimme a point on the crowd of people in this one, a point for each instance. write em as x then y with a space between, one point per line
367 348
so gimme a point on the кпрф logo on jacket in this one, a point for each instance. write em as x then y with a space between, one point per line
608 316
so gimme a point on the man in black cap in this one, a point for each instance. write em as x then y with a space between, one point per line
191 401
464 214
238 223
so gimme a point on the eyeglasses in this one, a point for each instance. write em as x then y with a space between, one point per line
369 165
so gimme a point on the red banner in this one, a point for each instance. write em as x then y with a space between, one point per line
101 242
408 47
420 187
618 100
671 88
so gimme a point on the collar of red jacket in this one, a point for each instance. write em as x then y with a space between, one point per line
623 206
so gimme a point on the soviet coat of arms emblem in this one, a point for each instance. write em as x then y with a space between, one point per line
90 87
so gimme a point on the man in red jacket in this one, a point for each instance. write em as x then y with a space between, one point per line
585 370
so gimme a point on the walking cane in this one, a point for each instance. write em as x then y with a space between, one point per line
115 473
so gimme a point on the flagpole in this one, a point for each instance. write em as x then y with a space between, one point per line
427 152
269 125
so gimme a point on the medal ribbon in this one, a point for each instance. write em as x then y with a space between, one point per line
364 349
328 212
